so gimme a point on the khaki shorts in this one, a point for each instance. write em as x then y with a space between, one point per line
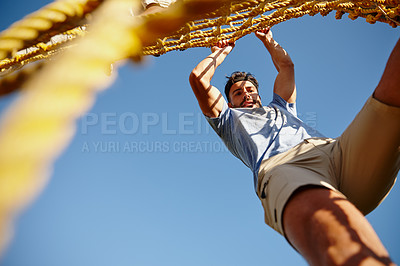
362 164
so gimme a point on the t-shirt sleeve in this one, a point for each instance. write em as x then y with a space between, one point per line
290 107
224 128
220 123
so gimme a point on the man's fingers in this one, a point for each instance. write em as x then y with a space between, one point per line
264 30
224 43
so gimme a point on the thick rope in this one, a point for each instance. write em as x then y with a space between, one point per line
41 25
41 50
38 126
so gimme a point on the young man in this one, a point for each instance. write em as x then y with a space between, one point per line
315 190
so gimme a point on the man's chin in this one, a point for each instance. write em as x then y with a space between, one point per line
254 105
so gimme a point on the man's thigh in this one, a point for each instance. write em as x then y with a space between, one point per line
367 155
329 230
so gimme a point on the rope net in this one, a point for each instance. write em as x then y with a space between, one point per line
66 19
40 123
239 19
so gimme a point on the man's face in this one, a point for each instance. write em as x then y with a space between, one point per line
243 94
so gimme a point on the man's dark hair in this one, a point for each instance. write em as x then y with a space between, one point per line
239 76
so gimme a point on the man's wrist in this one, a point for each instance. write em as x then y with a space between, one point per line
217 55
269 42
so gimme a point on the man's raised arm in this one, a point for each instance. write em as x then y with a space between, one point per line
209 97
284 83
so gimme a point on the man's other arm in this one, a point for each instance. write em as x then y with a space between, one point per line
284 83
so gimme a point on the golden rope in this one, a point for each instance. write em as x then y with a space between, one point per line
40 50
41 25
247 17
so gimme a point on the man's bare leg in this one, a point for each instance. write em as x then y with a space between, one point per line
388 89
328 230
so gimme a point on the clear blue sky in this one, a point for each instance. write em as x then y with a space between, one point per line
146 182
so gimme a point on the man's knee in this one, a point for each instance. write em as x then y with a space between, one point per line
388 90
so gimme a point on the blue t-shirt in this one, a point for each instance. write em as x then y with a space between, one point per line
254 134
